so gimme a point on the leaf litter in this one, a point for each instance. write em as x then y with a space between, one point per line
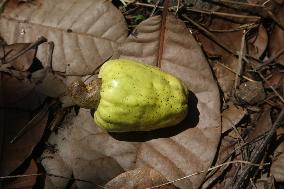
234 37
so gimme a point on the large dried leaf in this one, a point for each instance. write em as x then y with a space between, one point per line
85 33
173 152
177 155
18 102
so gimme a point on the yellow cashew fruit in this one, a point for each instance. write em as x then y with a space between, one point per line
137 97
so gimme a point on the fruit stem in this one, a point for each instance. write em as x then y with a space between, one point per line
86 96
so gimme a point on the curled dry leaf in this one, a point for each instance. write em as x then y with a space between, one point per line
18 102
24 182
85 34
173 152
276 43
139 178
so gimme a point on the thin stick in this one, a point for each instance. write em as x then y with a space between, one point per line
36 118
216 40
162 33
51 175
50 54
178 4
211 36
223 14
20 176
31 46
148 5
155 7
228 68
260 10
242 27
203 171
240 61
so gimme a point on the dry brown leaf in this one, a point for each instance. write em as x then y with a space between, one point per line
231 37
85 34
277 168
173 152
22 63
275 80
18 101
276 43
140 178
23 182
262 125
232 116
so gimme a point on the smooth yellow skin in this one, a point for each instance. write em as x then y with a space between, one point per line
139 97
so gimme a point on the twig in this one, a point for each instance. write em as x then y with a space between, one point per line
20 176
240 61
50 55
223 14
242 27
228 68
148 5
34 120
178 4
162 33
155 7
257 157
122 1
210 35
203 171
255 9
31 46
51 175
